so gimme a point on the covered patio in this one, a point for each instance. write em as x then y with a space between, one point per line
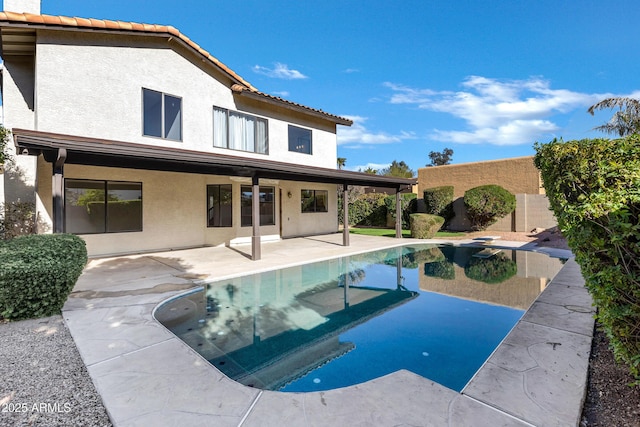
60 150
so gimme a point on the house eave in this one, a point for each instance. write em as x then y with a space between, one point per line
100 152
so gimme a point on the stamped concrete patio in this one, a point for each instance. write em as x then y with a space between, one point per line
147 376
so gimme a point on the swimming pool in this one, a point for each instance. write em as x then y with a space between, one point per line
438 311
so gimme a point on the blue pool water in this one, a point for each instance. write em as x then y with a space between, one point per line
436 311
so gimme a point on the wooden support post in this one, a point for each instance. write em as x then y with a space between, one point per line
58 191
255 218
398 215
345 217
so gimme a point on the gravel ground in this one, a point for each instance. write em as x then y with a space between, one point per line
43 379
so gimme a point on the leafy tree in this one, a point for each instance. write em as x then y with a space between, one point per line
370 171
341 162
4 141
397 169
440 158
625 121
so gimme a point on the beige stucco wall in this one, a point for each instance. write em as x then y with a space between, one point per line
518 175
534 273
101 95
174 210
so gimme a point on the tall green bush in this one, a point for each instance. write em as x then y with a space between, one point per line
408 204
38 272
439 201
593 186
486 204
368 210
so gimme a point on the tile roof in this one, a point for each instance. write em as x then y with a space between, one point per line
31 20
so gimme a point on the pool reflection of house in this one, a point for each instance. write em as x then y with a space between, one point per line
276 330
518 291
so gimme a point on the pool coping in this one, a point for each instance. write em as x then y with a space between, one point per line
147 376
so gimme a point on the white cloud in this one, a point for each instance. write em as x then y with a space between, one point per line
376 166
358 136
500 112
283 93
279 71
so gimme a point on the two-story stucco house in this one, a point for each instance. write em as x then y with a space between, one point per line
137 139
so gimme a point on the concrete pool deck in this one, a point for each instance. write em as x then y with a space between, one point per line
147 376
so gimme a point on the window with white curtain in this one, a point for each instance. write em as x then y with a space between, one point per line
239 131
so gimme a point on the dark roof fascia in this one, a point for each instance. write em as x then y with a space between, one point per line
100 152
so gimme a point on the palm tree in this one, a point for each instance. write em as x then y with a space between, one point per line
341 162
625 121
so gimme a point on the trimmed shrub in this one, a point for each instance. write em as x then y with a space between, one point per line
425 226
593 186
17 219
368 210
408 204
492 270
440 269
486 204
38 272
439 201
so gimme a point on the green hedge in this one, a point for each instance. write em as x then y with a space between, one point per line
440 269
492 270
593 186
408 204
38 272
439 201
425 226
486 204
368 210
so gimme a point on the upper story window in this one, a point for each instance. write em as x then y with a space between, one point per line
161 115
239 131
299 140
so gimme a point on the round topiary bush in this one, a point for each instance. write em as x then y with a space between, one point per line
486 204
492 270
439 201
440 269
425 226
38 272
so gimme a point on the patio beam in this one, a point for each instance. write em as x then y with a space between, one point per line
255 217
345 216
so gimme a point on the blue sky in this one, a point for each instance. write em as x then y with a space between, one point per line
485 78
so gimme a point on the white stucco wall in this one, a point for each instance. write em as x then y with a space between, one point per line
100 95
29 6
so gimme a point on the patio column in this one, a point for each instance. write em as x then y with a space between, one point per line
255 218
345 216
398 215
58 191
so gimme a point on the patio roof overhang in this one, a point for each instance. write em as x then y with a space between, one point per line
101 152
